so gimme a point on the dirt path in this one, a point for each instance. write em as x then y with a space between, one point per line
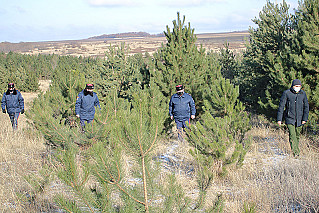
29 97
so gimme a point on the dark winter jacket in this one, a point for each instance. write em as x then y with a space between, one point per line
294 107
13 102
182 107
85 105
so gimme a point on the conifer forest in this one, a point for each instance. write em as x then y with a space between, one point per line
112 166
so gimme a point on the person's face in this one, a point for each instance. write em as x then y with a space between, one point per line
89 90
297 88
180 92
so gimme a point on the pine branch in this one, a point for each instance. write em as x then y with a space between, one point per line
153 141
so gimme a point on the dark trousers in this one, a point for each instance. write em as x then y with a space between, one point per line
82 123
14 119
294 135
181 125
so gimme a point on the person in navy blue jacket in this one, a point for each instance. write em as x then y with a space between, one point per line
181 108
12 103
85 105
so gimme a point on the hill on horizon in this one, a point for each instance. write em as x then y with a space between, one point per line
126 35
138 42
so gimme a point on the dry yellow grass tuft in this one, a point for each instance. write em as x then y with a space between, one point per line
20 155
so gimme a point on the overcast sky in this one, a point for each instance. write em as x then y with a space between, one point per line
52 20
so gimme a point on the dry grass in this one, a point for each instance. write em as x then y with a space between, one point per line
270 180
20 155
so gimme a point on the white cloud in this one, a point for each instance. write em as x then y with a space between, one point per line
190 3
113 3
3 11
20 9
168 3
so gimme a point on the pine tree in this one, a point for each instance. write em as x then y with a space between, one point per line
218 138
230 64
268 65
306 57
283 47
179 61
120 72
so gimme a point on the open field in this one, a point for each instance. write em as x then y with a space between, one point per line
97 48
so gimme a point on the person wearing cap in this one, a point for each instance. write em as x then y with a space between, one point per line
181 108
294 108
12 103
85 105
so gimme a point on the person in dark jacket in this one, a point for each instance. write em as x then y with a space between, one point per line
12 103
85 105
295 108
182 109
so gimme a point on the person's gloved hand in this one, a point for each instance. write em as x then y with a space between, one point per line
4 110
22 111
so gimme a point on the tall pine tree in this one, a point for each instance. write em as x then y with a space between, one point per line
218 138
180 61
306 57
268 64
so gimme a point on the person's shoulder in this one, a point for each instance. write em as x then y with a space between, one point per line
81 94
95 95
187 94
174 95
287 91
